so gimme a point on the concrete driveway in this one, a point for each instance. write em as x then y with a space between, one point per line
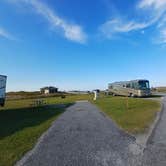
83 136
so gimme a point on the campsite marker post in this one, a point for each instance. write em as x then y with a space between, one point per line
96 95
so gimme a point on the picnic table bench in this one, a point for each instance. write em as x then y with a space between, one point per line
38 103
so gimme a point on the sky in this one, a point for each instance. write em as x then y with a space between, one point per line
81 44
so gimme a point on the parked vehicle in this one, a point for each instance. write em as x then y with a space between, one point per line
134 88
2 89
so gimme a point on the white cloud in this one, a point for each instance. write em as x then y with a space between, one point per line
5 34
163 35
156 4
71 31
158 9
155 14
161 27
115 26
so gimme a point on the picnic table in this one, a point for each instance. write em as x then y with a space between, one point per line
38 103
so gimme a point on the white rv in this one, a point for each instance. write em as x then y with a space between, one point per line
134 88
2 89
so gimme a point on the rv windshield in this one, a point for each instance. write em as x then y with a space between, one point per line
143 84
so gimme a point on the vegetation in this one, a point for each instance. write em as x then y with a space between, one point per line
161 89
132 114
31 95
24 103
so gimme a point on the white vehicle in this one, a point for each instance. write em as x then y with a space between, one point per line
2 89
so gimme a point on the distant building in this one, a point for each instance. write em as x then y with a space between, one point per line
96 90
49 90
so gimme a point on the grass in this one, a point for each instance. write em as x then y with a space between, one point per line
161 89
134 117
31 95
24 103
21 125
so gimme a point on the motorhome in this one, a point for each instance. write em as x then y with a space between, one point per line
133 88
2 89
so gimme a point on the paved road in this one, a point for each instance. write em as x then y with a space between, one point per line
83 136
155 153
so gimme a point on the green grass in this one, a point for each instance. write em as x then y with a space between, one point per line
161 89
31 95
134 118
24 103
21 125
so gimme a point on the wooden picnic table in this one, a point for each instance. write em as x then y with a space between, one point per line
38 102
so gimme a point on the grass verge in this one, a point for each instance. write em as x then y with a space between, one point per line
132 114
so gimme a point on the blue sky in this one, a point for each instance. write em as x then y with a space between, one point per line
81 44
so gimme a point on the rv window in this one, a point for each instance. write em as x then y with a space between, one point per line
128 86
134 85
111 87
144 85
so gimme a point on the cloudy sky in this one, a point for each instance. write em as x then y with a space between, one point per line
82 44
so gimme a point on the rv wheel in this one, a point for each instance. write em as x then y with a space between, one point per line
113 94
132 95
2 105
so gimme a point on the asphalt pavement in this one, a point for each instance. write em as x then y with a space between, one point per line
155 151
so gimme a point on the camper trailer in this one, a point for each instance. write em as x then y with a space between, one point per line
134 88
2 89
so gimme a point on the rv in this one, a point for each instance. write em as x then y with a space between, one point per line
2 89
134 88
